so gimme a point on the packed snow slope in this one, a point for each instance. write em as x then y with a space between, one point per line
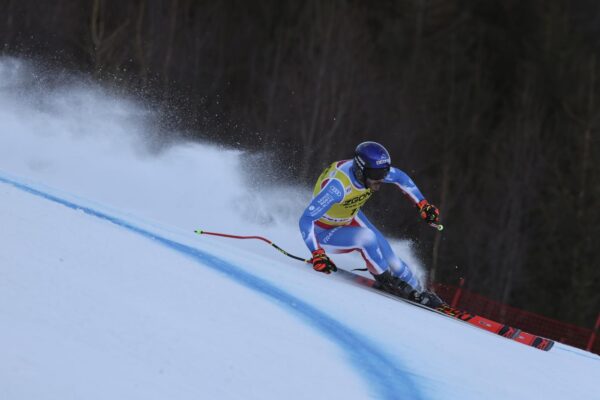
106 292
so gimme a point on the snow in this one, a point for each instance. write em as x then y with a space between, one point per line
106 292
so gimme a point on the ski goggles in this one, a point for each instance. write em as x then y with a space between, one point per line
376 174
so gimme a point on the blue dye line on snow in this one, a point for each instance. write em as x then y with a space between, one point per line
387 377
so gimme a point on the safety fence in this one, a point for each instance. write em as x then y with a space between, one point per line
577 336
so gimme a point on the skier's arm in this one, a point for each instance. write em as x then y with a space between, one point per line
332 193
403 181
428 212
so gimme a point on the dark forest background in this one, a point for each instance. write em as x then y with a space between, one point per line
491 106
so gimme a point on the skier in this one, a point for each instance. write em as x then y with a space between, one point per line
333 220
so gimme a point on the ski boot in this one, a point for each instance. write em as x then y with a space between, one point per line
428 299
396 286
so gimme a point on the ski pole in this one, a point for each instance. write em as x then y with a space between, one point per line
439 227
201 232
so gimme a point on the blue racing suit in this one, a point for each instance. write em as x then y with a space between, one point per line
333 220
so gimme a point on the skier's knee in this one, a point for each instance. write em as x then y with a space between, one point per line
367 238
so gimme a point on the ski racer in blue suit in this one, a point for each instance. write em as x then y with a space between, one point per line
334 222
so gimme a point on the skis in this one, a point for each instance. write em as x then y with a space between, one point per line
480 322
475 320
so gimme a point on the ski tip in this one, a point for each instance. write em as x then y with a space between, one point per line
199 231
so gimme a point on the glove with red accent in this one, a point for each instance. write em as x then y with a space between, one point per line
428 212
322 263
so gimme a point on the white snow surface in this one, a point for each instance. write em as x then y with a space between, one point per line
107 293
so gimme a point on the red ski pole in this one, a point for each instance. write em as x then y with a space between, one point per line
201 232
